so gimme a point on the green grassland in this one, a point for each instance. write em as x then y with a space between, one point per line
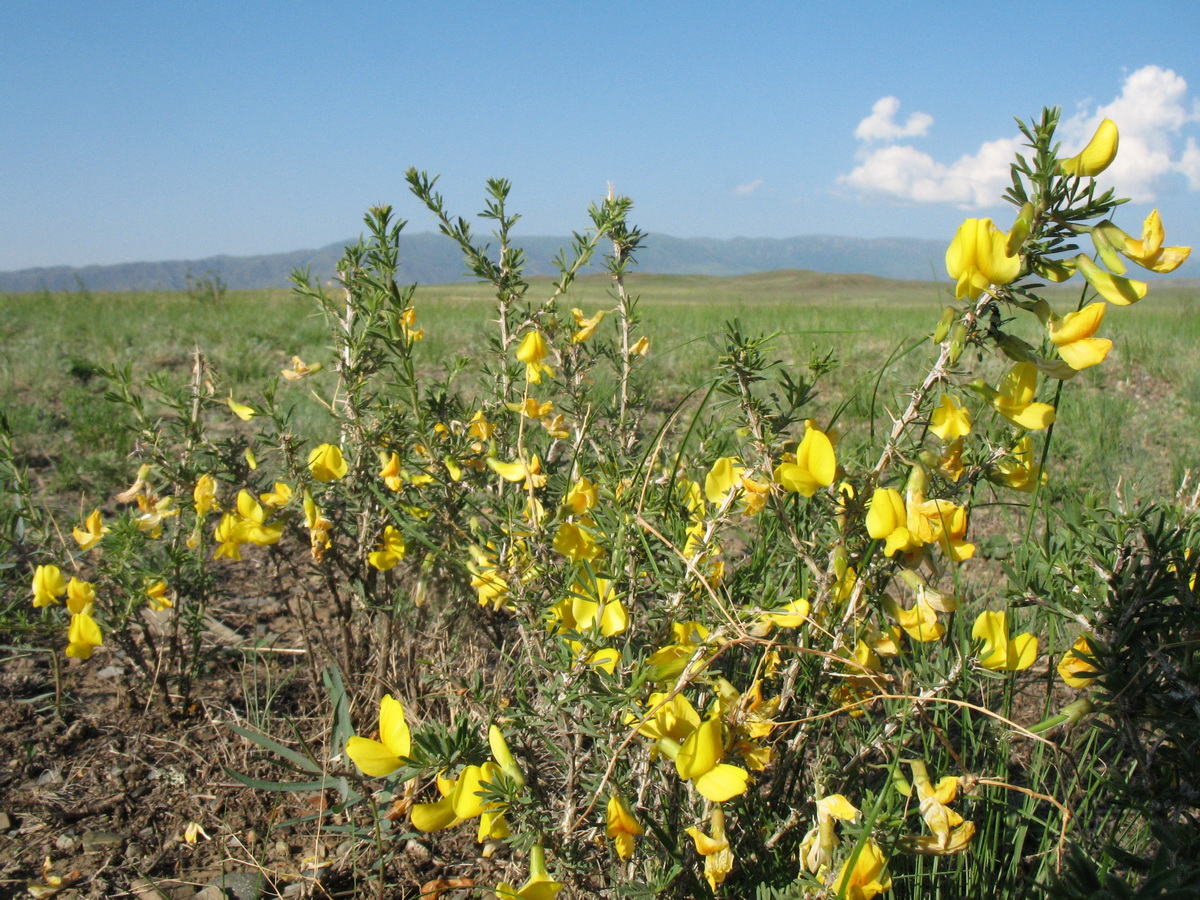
1133 422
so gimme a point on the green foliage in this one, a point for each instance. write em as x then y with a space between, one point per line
744 634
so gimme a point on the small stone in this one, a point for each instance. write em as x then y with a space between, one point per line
50 776
64 842
251 838
111 672
211 893
5 821
95 841
161 889
282 850
239 885
134 851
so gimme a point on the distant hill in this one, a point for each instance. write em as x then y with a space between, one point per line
430 258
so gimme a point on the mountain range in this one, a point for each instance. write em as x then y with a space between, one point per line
430 258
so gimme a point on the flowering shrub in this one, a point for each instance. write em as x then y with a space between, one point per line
598 648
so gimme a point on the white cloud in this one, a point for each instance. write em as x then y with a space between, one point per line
905 172
1151 112
881 124
745 190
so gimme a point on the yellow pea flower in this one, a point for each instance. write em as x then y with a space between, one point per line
819 844
887 520
582 496
791 615
949 833
278 498
1113 288
391 550
300 369
718 857
204 495
83 636
1149 253
1019 473
950 421
384 756
157 595
326 463
518 470
640 347
867 879
531 351
815 466
1013 398
1073 336
999 652
1099 153
587 327
48 585
978 258
591 606
80 595
699 761
621 826
1074 669
92 531
241 410
540 885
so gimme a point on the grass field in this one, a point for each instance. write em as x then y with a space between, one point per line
1129 428
1132 424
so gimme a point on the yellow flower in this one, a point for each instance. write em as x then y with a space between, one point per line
1074 669
384 756
241 410
587 327
999 652
640 347
531 409
674 719
950 421
154 510
518 470
791 615
591 606
326 463
204 495
582 496
48 585
942 522
920 622
531 351
157 595
299 369
718 857
278 498
1099 153
540 885
1113 288
699 761
978 258
408 321
950 464
1020 473
391 550
1149 253
622 826
92 531
815 466
867 879
723 477
949 833
1013 398
887 520
80 595
1073 335
83 636
819 844
254 527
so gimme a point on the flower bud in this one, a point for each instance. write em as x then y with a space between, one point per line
1099 153
944 323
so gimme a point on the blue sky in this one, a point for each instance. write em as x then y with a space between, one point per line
182 129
